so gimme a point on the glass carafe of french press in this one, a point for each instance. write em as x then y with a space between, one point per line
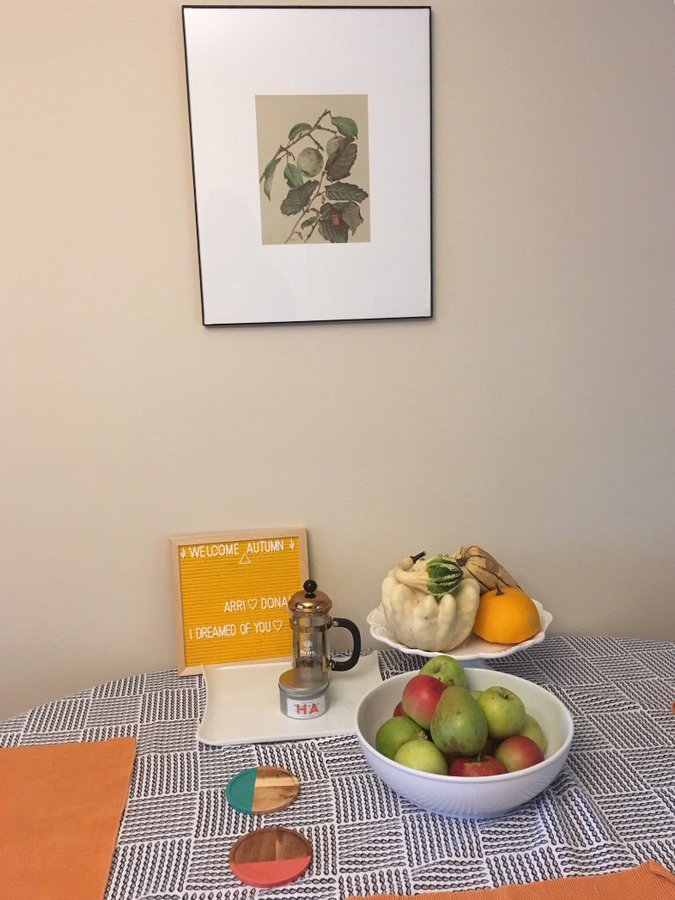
310 621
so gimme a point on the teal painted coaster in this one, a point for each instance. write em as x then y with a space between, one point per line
239 790
262 789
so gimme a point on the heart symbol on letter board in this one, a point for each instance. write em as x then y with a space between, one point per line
252 603
277 624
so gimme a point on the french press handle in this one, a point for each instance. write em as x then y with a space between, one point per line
344 666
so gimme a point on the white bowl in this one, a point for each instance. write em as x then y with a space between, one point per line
468 797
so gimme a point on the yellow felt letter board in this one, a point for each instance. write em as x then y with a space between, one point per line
232 591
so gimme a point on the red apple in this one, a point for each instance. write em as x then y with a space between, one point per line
398 710
518 752
476 766
420 696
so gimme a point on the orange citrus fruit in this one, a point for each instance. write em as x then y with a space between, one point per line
506 616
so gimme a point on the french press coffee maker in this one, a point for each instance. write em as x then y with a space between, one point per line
310 621
303 688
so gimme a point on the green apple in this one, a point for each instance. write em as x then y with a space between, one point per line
504 711
423 756
395 732
532 729
446 669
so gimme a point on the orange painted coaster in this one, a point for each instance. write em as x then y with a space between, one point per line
270 857
263 789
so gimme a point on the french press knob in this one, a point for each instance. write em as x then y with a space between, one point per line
310 621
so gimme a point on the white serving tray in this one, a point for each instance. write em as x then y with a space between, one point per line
242 703
472 648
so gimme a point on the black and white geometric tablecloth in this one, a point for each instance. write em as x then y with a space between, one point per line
612 807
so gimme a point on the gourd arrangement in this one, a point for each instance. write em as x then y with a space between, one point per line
435 604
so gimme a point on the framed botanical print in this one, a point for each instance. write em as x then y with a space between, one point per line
311 154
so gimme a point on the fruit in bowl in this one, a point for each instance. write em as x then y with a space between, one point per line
420 698
465 792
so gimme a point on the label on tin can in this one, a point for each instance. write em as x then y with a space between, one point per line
306 709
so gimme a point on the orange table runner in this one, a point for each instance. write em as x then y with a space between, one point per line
60 811
650 881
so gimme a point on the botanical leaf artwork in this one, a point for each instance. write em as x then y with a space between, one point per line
314 163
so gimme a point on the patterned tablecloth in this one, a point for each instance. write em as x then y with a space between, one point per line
612 806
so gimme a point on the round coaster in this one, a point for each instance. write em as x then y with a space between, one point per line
263 789
270 857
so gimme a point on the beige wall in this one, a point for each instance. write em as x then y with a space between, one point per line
532 415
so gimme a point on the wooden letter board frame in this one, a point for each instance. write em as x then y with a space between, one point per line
231 593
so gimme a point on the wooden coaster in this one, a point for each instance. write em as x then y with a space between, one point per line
270 857
263 789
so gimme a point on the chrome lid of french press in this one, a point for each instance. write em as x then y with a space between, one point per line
310 600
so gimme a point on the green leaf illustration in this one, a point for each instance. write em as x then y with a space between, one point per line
268 176
345 126
335 144
335 234
297 198
332 226
297 130
293 175
340 163
334 148
351 215
307 222
345 191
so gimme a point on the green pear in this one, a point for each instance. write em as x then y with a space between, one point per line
532 729
458 726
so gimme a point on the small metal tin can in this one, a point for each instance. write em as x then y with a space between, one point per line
303 692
